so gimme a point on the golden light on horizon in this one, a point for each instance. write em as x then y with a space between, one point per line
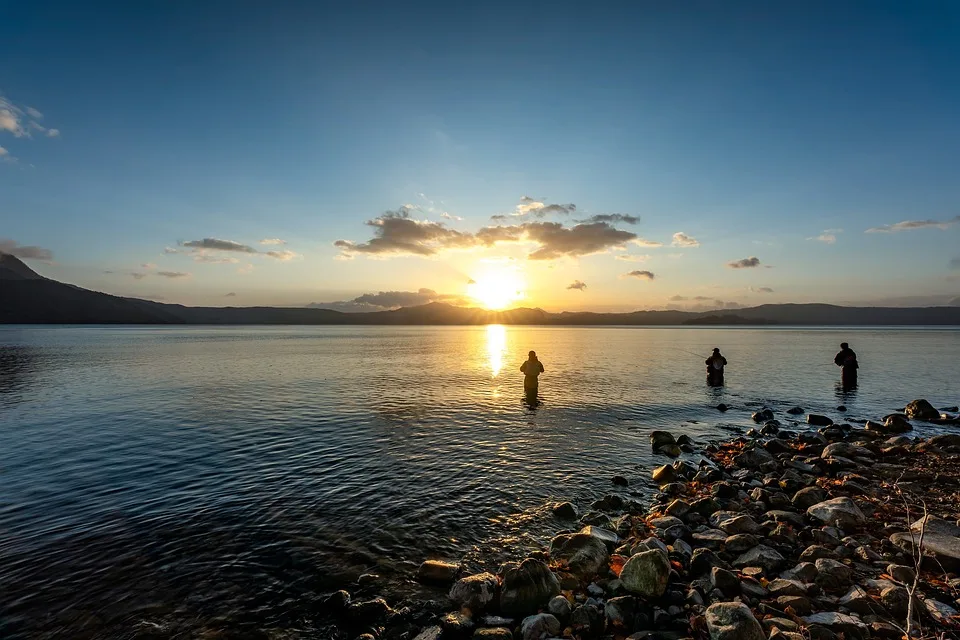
497 287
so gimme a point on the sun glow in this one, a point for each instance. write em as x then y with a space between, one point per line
496 347
496 288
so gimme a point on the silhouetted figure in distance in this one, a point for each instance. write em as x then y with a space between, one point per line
531 370
715 364
847 360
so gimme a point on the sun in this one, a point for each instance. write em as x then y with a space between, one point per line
496 288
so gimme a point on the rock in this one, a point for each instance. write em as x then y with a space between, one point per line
921 410
942 613
371 612
476 592
804 572
845 450
941 538
807 497
851 626
542 625
789 517
760 556
722 407
438 572
901 573
660 438
733 621
945 440
818 420
597 519
896 599
456 625
609 503
725 580
832 574
646 574
816 551
620 481
530 584
740 543
753 589
710 538
678 508
665 474
337 601
565 511
582 553
841 512
560 608
782 587
588 620
764 415
670 450
897 423
430 633
605 536
753 458
703 560
859 601
801 605
733 523
620 611
705 506
493 633
796 411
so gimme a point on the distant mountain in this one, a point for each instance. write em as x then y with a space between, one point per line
28 298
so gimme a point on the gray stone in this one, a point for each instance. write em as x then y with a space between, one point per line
791 518
621 611
456 624
921 410
710 538
851 626
646 574
560 608
753 589
678 508
660 438
896 599
733 621
753 458
942 613
665 474
801 605
783 587
582 553
542 625
605 536
804 572
587 619
475 592
859 601
725 580
818 420
807 497
841 512
733 523
845 450
901 573
529 585
816 551
740 543
565 511
430 633
760 556
703 560
832 574
438 572
940 538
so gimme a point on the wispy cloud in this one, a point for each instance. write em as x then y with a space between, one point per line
450 216
578 285
173 274
626 257
28 252
745 263
217 251
681 239
383 300
828 236
909 225
148 265
612 217
209 258
20 122
761 289
678 298
244 269
230 295
283 256
273 241
642 242
539 209
218 245
642 275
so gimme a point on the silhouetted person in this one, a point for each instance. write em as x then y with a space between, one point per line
715 364
847 360
531 369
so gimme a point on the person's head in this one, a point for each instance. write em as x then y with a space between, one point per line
532 355
716 350
844 345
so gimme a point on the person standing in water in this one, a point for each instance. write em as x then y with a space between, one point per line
847 360
531 370
715 364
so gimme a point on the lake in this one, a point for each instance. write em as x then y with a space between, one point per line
178 480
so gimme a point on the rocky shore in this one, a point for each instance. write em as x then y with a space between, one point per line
805 527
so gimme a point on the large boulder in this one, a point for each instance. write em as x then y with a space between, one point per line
839 512
733 621
921 410
438 572
475 592
542 625
646 573
582 553
529 585
941 538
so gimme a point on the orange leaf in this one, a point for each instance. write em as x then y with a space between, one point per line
616 564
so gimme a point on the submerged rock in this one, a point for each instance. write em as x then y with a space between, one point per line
529 585
921 410
796 411
438 572
897 423
646 574
762 416
733 621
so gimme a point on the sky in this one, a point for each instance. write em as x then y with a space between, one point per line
599 156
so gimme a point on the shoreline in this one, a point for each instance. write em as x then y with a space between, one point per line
802 528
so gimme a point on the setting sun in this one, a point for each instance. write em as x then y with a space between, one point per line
496 288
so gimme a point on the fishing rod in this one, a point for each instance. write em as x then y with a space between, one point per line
691 353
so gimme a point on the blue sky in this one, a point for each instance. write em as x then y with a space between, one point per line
752 127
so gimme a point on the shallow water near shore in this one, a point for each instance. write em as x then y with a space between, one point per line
191 478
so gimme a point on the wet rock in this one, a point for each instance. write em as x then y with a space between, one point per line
921 410
818 420
583 553
588 620
807 497
678 508
456 625
620 481
542 625
477 592
783 587
529 585
661 438
940 538
832 574
762 416
771 428
850 626
841 512
597 519
796 411
725 580
493 633
565 511
646 574
722 407
438 572
896 423
560 608
669 450
337 602
371 612
609 503
665 474
733 621
760 556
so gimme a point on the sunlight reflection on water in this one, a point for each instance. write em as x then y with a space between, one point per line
496 347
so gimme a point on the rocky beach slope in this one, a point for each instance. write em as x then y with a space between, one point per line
803 528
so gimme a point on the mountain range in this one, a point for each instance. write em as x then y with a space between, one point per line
28 298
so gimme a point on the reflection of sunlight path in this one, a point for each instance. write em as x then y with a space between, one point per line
496 347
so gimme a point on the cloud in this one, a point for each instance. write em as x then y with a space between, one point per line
24 252
626 257
283 256
206 258
273 241
578 285
829 236
230 295
613 217
641 242
642 275
148 265
383 300
761 289
701 298
396 234
681 239
909 225
53 133
677 298
745 263
449 216
138 276
499 216
173 274
218 245
245 269
169 251
539 209
20 120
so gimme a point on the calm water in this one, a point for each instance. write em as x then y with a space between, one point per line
184 480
